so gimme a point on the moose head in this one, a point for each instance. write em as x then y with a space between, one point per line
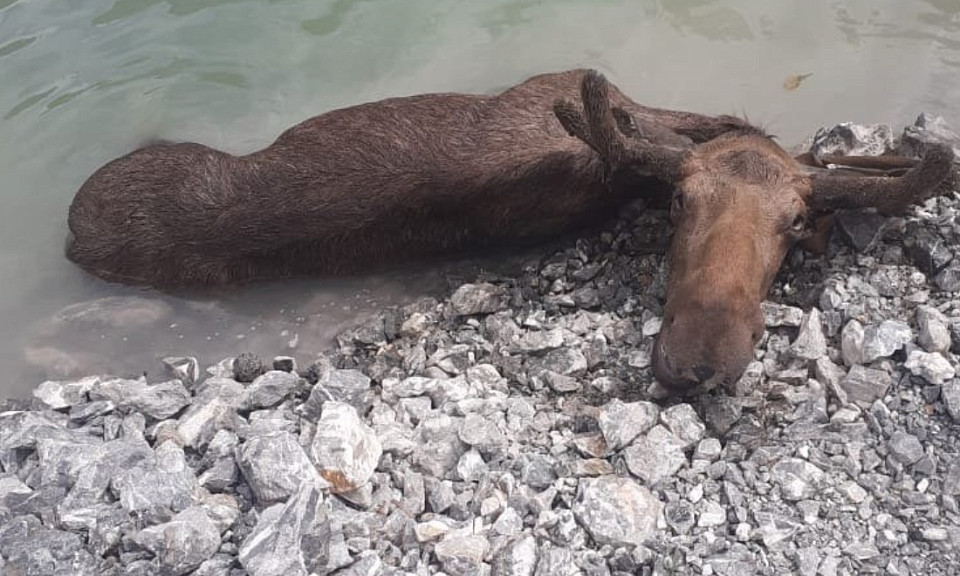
739 203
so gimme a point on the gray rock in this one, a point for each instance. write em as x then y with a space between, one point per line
439 447
183 543
849 139
367 564
223 510
471 466
431 530
12 491
680 516
471 299
683 421
722 413
950 392
285 363
269 389
153 489
881 341
749 381
87 473
929 252
655 456
616 511
565 361
509 523
517 558
439 493
640 358
831 376
223 445
62 395
158 401
247 366
863 386
27 431
537 341
862 551
955 335
345 450
83 413
948 279
30 549
560 383
776 530
556 561
538 471
461 555
798 479
935 534
931 366
927 130
852 342
811 342
621 423
289 539
453 360
219 565
777 315
221 476
934 333
183 368
275 466
808 560
711 514
347 386
860 229
481 432
213 409
906 448
708 449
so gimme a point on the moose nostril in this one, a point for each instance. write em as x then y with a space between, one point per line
703 373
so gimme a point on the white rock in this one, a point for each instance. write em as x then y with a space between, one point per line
931 366
345 450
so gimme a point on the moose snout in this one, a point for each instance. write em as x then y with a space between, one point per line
701 349
677 376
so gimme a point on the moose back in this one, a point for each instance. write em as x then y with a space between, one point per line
382 182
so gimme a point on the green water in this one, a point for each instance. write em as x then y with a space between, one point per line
84 82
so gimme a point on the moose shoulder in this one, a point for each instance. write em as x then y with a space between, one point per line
739 203
377 183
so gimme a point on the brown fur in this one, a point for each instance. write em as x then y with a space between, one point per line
740 202
377 183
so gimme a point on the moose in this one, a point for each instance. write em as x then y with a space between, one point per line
435 174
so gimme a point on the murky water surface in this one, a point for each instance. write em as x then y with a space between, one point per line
84 82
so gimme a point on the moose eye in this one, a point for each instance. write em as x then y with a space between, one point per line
799 224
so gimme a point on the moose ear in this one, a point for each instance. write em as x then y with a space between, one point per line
652 132
616 138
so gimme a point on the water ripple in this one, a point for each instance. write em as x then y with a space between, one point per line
14 45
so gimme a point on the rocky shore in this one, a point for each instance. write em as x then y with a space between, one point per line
513 429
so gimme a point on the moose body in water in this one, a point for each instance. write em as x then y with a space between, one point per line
426 175
373 184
